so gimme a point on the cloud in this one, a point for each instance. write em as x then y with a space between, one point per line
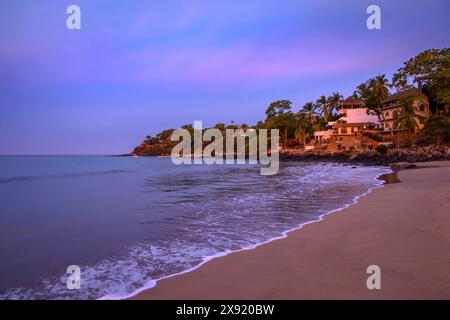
163 46
237 63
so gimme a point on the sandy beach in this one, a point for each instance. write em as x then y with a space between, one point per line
404 228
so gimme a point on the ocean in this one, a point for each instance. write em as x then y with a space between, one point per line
128 222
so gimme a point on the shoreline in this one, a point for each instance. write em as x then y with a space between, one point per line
381 180
367 158
201 282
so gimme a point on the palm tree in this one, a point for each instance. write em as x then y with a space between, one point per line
408 119
380 86
362 91
260 125
221 126
310 111
149 139
333 102
301 132
322 105
374 91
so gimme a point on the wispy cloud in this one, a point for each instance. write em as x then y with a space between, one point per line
167 60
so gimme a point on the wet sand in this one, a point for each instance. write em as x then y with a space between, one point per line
404 228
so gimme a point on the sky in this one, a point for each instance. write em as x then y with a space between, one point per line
140 66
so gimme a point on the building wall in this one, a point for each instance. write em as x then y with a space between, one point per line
420 105
350 130
358 115
323 136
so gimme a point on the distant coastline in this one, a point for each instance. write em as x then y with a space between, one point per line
411 155
375 125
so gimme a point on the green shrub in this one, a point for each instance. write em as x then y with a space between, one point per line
377 138
437 128
381 149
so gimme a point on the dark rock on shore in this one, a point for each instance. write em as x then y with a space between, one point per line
372 158
315 157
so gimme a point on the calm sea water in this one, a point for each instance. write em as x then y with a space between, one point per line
129 221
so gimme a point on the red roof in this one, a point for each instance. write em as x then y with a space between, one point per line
398 95
349 101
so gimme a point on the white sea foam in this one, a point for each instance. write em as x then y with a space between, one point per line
223 218
284 234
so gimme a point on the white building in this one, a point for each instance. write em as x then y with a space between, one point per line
352 110
323 136
355 118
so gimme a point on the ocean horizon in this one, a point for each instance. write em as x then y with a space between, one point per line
128 222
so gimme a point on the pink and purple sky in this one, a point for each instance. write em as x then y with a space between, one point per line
139 66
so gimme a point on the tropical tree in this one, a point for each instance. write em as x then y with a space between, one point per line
322 106
399 82
438 128
374 91
310 111
408 119
220 126
327 105
430 70
380 86
303 129
260 125
362 91
150 140
279 116
189 128
424 67
232 126
333 102
165 134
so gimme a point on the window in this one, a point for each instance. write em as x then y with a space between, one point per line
395 114
387 114
421 108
